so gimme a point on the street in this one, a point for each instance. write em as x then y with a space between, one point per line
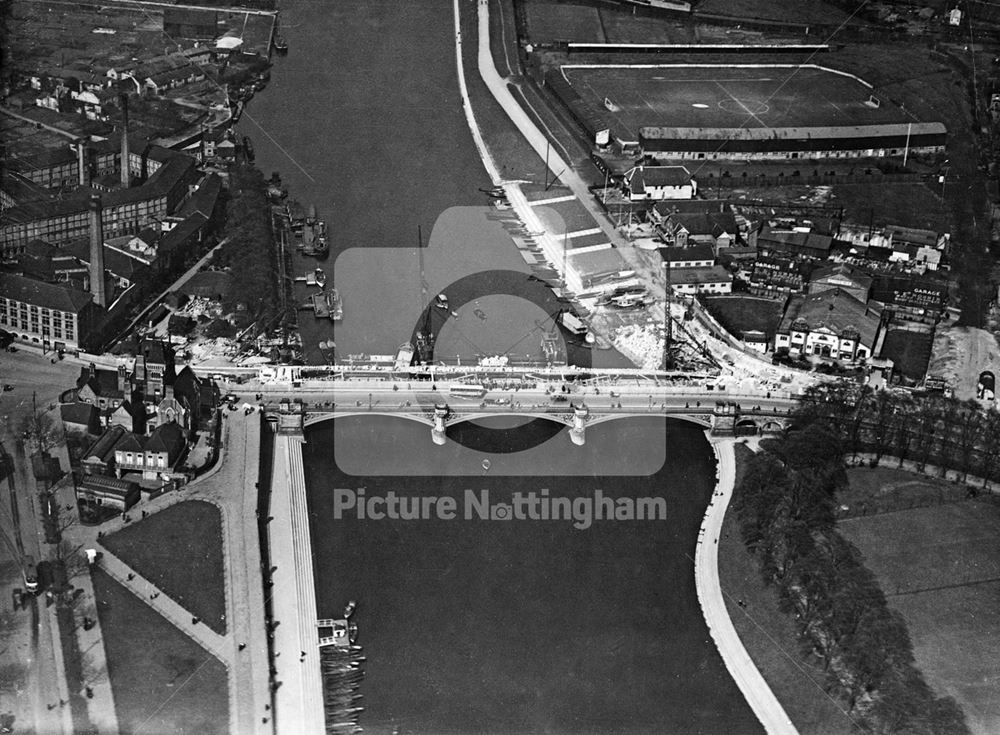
33 636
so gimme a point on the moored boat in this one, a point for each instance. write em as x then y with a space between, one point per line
335 304
404 356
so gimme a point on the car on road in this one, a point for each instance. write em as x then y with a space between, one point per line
7 387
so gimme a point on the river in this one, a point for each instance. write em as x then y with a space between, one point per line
478 625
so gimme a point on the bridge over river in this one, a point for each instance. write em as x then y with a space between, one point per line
577 406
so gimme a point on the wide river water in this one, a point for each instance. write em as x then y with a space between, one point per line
473 626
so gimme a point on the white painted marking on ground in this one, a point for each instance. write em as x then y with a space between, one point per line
552 200
584 233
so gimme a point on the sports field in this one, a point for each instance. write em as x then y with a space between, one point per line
772 96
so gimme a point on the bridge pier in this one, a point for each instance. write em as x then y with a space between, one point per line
577 433
291 418
438 432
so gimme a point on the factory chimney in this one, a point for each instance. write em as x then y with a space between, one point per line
97 251
125 154
81 162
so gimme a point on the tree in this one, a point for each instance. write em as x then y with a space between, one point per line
968 424
44 428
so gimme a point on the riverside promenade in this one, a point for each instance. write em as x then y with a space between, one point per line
243 648
713 605
299 694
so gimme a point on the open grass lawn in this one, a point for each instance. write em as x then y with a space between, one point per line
179 549
883 489
940 568
770 637
163 682
739 314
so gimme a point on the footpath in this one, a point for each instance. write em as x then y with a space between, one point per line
231 486
741 667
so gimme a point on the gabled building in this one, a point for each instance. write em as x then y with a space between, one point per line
713 280
105 389
794 244
108 492
100 456
843 276
153 456
832 325
658 183
154 368
685 223
130 415
174 408
80 418
57 316
693 256
200 395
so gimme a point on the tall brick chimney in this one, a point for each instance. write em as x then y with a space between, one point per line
97 251
125 154
81 162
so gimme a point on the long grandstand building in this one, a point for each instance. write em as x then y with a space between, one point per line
780 144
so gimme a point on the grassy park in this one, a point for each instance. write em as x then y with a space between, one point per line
163 682
179 549
938 560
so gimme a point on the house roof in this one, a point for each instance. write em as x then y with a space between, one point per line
183 232
204 199
167 438
115 261
834 310
156 352
129 442
795 241
699 251
701 274
48 295
188 385
912 235
706 223
103 382
110 485
78 413
641 177
105 443
840 271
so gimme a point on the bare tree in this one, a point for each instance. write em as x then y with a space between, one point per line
44 428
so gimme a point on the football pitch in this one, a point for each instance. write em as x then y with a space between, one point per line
727 96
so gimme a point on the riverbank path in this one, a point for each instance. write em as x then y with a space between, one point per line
741 667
